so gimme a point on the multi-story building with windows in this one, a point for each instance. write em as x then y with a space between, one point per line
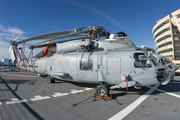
166 34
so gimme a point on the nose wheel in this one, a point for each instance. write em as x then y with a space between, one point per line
102 90
50 80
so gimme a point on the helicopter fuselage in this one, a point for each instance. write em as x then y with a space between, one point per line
111 66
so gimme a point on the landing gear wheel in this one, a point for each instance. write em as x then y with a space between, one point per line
102 90
51 80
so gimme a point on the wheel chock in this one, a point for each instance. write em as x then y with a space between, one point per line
105 98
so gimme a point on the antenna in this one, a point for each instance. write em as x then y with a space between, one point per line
121 34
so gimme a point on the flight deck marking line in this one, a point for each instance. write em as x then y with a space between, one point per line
123 113
60 94
15 100
38 97
86 88
18 75
172 94
76 91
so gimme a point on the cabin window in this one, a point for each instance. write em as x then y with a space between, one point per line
86 64
141 61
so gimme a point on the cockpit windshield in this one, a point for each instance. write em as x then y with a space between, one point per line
162 61
141 61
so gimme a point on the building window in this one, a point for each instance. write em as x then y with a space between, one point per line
168 56
176 57
177 50
174 27
159 26
165 44
175 32
161 32
163 38
165 51
176 38
176 44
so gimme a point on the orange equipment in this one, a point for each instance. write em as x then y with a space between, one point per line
105 98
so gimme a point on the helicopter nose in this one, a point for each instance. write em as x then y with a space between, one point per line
162 76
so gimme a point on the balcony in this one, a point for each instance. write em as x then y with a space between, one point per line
161 21
163 34
160 29
165 47
167 53
164 41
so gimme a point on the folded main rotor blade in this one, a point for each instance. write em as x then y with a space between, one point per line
12 40
7 46
54 39
17 37
48 35
13 35
69 35
51 44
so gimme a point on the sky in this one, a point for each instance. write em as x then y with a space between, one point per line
35 17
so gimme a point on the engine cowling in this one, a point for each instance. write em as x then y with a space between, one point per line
71 46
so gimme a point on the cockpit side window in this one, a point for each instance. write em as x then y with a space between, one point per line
141 61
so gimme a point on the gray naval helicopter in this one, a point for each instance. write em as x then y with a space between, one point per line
112 63
166 61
